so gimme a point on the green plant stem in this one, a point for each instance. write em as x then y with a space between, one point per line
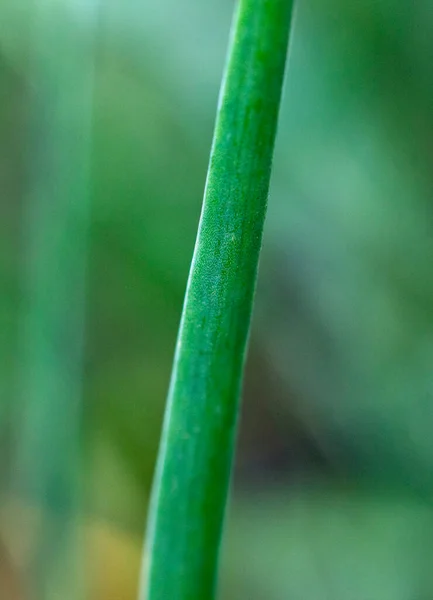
193 471
57 218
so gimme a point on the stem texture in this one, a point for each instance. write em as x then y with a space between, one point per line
193 471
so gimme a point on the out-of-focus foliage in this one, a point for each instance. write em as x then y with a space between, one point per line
338 399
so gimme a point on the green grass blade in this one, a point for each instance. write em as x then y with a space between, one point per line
193 471
55 231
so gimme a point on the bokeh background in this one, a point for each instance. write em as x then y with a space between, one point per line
106 116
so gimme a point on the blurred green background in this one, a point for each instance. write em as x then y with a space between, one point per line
106 116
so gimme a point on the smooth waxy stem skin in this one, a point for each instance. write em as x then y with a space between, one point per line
193 471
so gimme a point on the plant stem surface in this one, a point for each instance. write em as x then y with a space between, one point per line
193 472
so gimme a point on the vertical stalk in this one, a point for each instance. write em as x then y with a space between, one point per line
55 236
193 471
